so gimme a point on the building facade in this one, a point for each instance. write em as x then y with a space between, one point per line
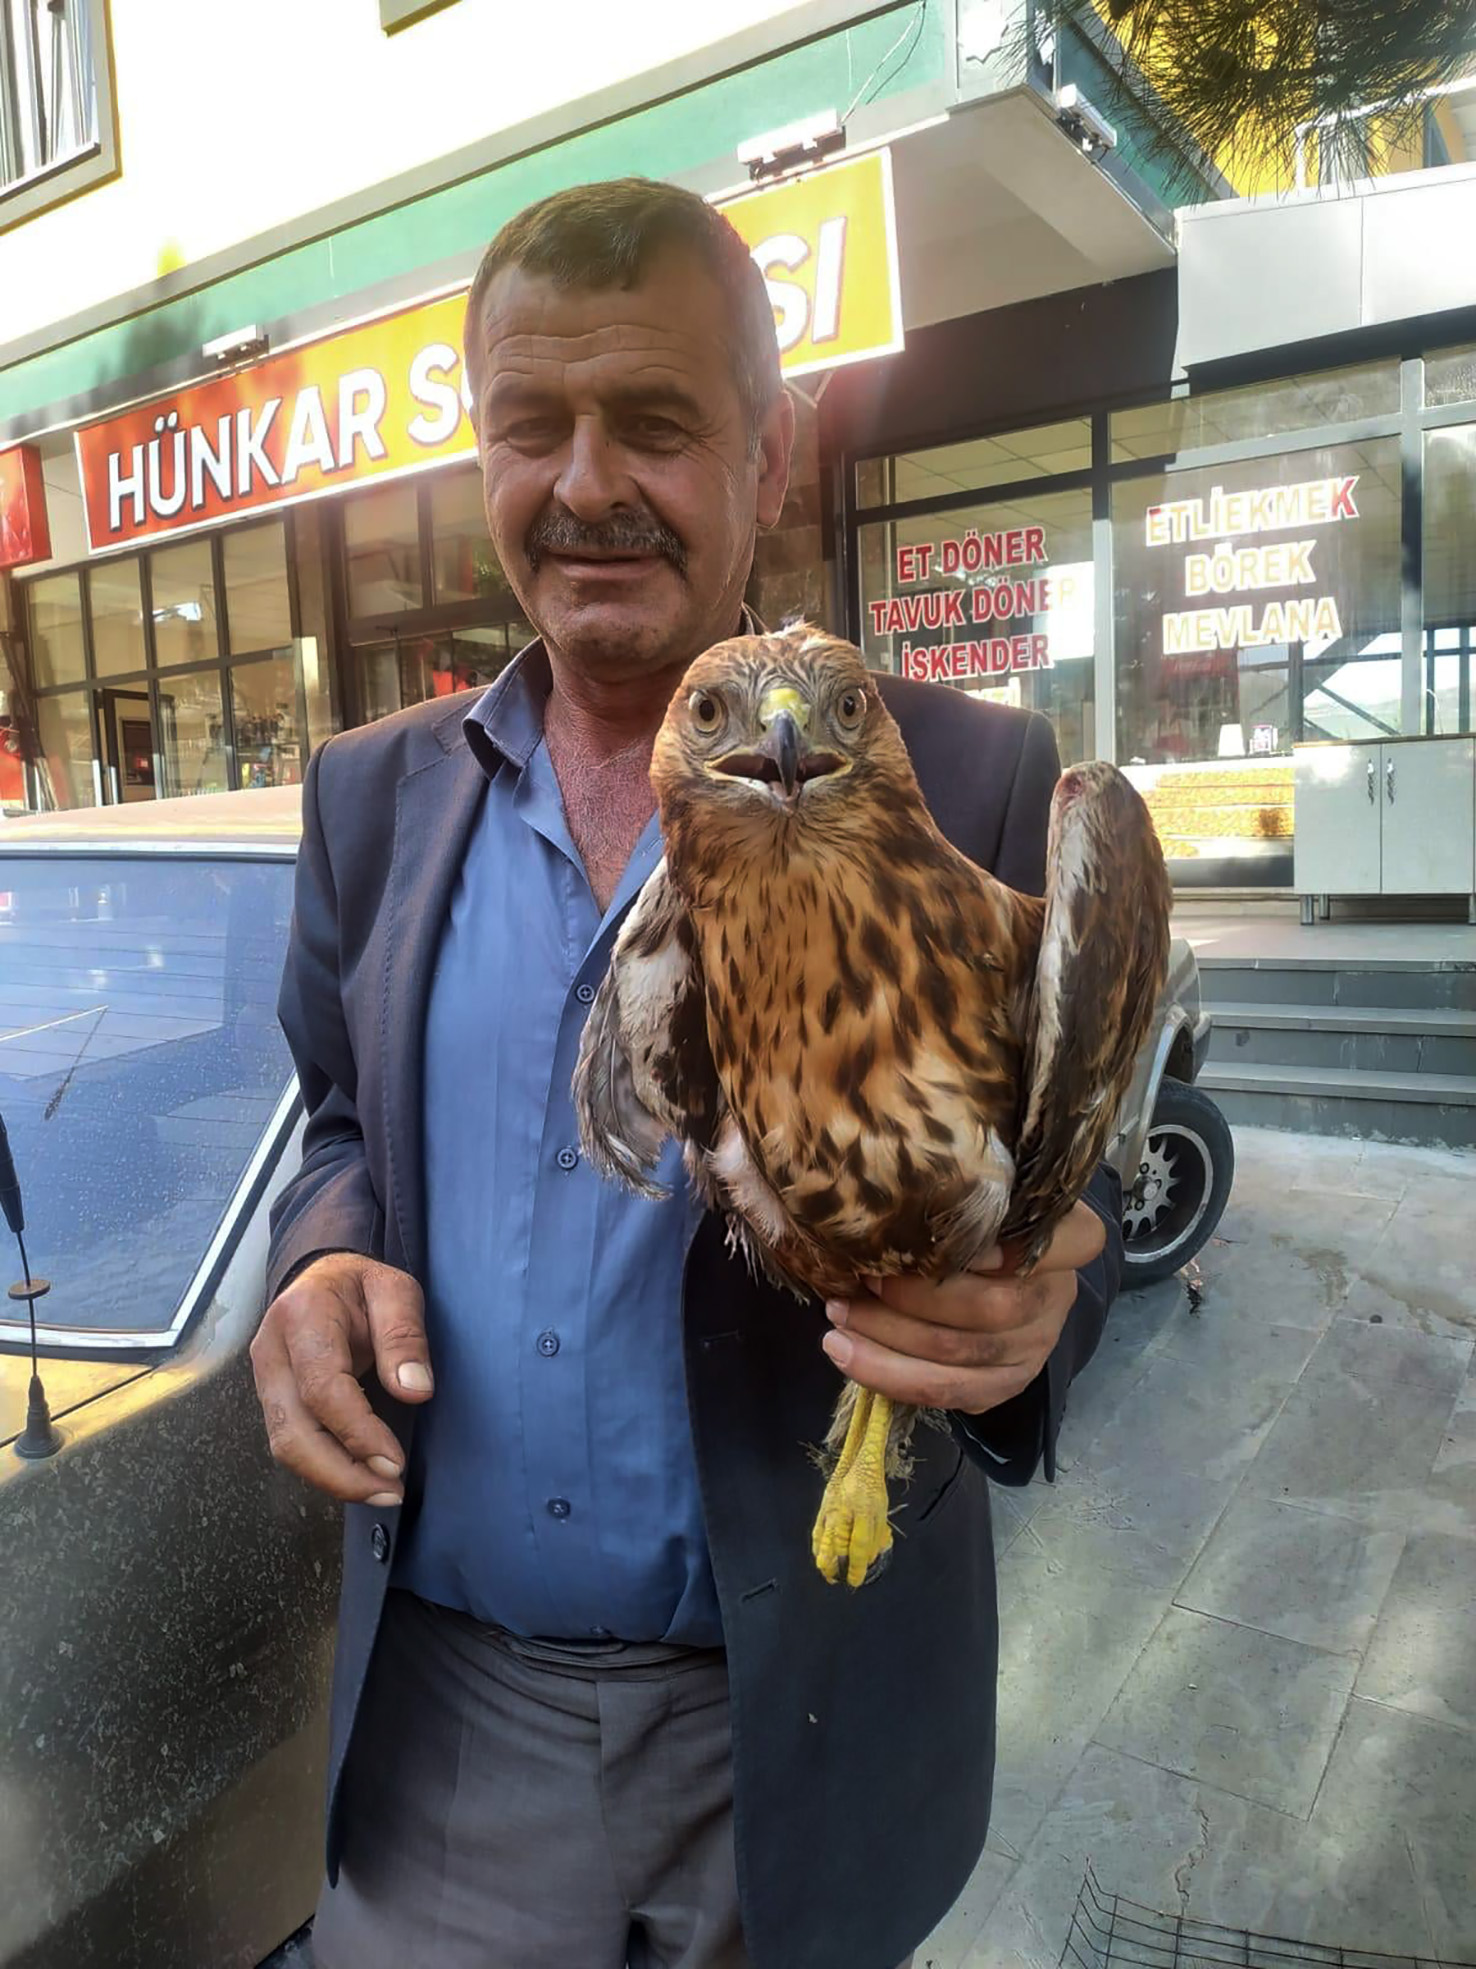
1059 444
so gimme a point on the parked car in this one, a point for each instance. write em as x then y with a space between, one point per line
166 1629
1173 1149
166 1636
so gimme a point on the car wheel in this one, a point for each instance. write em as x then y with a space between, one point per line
1182 1187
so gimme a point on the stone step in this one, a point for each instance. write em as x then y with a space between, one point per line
1379 1039
1386 984
1434 1109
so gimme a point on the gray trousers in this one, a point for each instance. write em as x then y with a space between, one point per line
515 1804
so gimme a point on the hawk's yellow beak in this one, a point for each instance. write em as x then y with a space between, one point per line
783 697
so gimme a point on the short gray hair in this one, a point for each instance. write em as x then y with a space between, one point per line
607 235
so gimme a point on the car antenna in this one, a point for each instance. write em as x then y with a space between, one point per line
40 1437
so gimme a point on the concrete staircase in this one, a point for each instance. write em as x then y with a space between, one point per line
1379 1047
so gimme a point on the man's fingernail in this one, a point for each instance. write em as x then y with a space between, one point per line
837 1311
991 1260
383 1466
873 1284
840 1348
384 1497
414 1377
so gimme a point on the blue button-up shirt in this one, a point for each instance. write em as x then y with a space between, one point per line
557 1481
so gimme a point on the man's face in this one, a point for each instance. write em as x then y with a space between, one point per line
621 486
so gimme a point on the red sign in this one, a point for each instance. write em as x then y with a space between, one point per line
24 534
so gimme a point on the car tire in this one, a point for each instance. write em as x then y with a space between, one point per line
1187 1168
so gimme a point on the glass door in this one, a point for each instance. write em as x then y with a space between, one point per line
128 745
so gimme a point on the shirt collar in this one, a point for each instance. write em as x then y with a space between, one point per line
505 725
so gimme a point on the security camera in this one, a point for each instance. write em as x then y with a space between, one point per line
1083 124
238 346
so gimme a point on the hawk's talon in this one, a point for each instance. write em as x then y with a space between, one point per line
853 1531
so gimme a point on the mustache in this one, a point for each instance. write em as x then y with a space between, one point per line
629 531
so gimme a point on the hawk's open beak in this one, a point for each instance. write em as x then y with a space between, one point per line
784 717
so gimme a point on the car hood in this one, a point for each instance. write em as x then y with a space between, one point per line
69 1384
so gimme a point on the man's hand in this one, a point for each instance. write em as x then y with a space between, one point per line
339 1317
970 1342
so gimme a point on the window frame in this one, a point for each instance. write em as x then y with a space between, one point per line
69 177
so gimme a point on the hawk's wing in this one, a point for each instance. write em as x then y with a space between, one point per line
645 1069
1101 967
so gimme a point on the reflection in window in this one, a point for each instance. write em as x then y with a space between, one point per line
67 756
140 1064
463 564
1259 410
1041 452
48 90
381 537
57 648
183 600
264 706
117 618
1016 628
1450 377
258 602
792 579
192 745
395 675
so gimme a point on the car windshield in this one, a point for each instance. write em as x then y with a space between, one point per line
141 1069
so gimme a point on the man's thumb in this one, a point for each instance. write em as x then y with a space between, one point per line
396 1313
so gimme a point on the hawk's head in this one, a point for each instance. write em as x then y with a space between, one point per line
786 729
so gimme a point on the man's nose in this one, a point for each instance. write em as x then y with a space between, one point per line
592 481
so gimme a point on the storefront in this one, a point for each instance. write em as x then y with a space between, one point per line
1187 584
223 575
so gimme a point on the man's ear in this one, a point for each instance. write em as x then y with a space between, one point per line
776 442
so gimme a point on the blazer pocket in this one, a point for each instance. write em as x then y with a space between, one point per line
944 1489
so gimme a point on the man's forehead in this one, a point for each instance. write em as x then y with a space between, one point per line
672 319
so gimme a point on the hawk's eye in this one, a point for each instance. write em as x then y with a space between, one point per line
850 709
707 711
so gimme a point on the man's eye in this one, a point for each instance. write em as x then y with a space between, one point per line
530 430
657 430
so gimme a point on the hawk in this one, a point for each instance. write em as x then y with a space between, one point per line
878 1059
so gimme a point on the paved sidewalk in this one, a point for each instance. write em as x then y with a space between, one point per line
1239 1635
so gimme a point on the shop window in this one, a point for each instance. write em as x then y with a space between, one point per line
182 597
264 708
792 578
116 600
258 599
1450 578
463 565
192 735
1046 451
66 764
381 531
58 646
56 123
409 669
996 600
1450 376
1257 604
1260 410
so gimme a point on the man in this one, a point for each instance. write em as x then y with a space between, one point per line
593 1704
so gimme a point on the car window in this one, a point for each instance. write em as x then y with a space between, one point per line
141 1070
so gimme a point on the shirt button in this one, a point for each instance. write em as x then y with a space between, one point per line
585 994
379 1543
559 1507
568 1158
599 1633
548 1344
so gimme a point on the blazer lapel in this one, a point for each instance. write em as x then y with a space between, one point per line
435 807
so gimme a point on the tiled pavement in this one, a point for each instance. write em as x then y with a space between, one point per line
1238 1662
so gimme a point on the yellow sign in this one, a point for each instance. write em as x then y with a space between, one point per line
389 397
827 246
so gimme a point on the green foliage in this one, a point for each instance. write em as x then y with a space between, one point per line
1235 79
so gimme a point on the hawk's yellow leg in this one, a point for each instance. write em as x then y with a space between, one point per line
853 1530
